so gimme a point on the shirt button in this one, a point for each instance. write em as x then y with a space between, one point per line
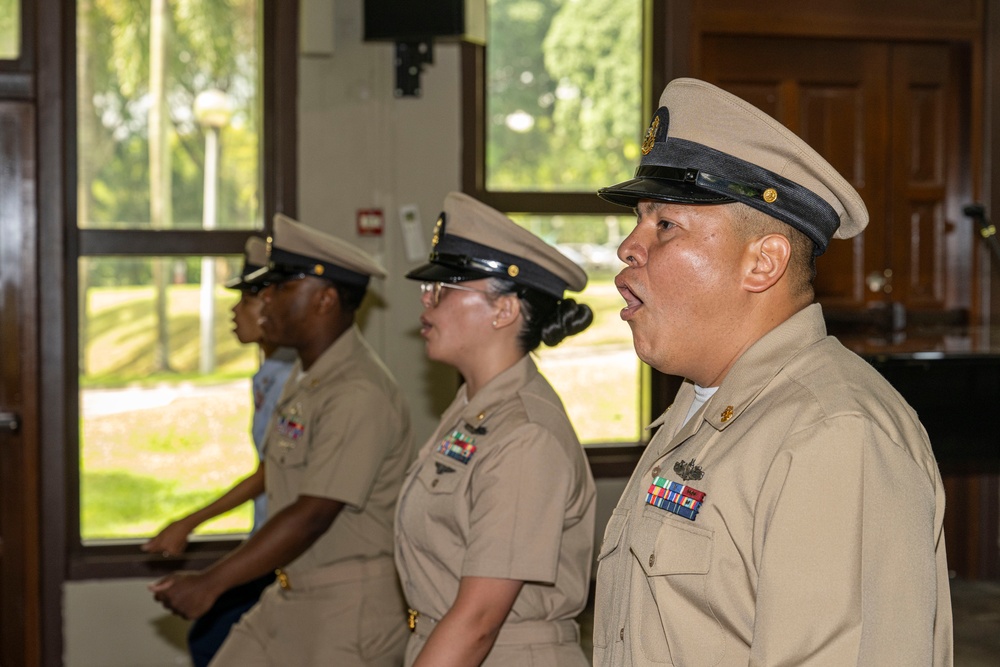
434 483
656 471
621 634
652 559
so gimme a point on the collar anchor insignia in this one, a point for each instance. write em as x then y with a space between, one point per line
688 470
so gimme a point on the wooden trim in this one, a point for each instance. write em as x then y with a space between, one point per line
673 54
123 559
55 114
26 62
759 20
17 86
473 58
989 103
19 506
281 109
612 460
161 242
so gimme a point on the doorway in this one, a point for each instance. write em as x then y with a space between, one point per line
19 571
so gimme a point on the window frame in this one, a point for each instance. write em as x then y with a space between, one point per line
17 80
279 74
665 55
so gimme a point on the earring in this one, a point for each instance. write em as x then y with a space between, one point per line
494 324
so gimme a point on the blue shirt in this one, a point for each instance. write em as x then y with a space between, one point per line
268 382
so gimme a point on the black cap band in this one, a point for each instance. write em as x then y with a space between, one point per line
686 172
284 265
469 259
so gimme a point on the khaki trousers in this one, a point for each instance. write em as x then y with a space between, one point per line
347 615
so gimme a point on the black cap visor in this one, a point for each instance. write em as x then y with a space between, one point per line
667 184
242 285
284 266
240 281
265 276
432 272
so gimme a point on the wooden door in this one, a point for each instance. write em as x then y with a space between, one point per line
885 115
19 570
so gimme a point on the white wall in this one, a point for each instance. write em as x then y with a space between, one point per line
359 147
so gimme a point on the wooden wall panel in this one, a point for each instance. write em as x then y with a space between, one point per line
919 19
833 94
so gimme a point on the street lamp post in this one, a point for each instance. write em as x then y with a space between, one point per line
212 111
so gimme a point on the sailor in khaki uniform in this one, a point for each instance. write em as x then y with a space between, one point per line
495 521
788 510
336 451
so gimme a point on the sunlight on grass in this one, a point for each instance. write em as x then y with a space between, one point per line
155 444
596 372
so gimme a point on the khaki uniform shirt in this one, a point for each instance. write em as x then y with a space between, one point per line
341 431
818 540
520 505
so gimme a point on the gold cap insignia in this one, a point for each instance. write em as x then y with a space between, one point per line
512 270
647 143
770 195
437 232
318 269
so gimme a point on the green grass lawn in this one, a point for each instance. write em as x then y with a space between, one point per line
157 444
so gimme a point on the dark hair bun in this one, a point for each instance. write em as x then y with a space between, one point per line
567 318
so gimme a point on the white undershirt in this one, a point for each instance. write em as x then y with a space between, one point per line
701 394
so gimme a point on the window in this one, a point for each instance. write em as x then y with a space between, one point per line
10 29
175 120
562 114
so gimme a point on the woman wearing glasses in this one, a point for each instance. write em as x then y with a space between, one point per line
495 521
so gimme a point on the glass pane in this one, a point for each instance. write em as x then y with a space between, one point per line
10 29
164 420
602 355
563 93
168 114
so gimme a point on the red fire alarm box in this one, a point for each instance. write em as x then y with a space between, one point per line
371 222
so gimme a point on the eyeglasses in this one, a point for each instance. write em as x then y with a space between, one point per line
434 289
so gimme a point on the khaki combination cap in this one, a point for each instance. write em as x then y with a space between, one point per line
707 146
473 241
254 259
295 250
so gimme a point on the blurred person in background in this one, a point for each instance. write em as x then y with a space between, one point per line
209 631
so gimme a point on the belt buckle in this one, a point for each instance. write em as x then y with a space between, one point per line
411 619
283 580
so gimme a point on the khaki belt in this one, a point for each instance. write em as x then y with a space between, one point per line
337 573
525 632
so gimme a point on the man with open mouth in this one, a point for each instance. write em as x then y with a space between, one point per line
788 509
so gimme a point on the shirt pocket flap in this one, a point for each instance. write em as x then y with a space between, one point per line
664 546
613 533
288 453
441 474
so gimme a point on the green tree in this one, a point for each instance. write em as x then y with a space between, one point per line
212 44
564 93
141 154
